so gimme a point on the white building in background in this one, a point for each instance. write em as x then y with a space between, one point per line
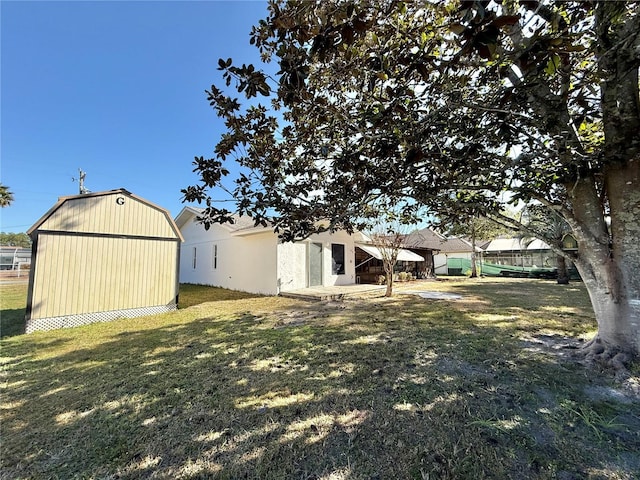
15 258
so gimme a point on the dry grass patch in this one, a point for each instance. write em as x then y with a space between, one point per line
274 388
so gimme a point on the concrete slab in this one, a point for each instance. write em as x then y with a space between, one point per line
432 295
336 292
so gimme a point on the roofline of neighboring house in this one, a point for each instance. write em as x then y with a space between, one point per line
444 246
185 210
533 246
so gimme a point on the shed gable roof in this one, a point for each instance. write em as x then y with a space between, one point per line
117 212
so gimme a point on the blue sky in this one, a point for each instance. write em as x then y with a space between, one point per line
115 88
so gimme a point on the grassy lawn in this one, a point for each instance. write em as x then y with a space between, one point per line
13 301
233 386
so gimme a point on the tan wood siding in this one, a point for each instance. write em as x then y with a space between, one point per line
78 274
103 214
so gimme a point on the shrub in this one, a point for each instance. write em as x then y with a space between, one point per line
405 276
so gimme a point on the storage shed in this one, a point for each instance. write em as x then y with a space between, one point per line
101 256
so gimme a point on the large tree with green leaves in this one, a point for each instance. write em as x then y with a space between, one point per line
416 101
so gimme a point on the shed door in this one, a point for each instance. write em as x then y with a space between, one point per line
315 264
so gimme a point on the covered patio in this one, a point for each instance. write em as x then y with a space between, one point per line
370 265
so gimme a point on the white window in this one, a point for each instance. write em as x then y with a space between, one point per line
194 259
215 257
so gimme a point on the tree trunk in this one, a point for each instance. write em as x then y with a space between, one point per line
474 268
608 256
617 341
613 280
563 275
613 283
610 263
388 270
389 291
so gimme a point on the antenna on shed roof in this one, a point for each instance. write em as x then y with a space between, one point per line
81 188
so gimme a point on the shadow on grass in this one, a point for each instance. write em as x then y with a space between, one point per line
530 294
386 389
12 322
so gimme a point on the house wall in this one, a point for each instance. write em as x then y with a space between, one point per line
292 266
247 263
293 261
12 257
349 277
422 269
258 262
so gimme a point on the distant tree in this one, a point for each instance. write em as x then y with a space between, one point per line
424 99
466 219
6 196
388 236
468 225
389 244
387 224
546 225
471 229
15 240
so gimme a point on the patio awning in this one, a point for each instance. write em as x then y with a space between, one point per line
403 255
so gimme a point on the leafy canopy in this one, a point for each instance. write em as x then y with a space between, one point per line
419 105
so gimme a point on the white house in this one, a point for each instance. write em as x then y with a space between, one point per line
243 257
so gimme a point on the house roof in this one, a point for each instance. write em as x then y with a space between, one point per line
242 225
425 238
11 248
515 244
428 239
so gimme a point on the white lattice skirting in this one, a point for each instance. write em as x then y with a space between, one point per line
52 323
